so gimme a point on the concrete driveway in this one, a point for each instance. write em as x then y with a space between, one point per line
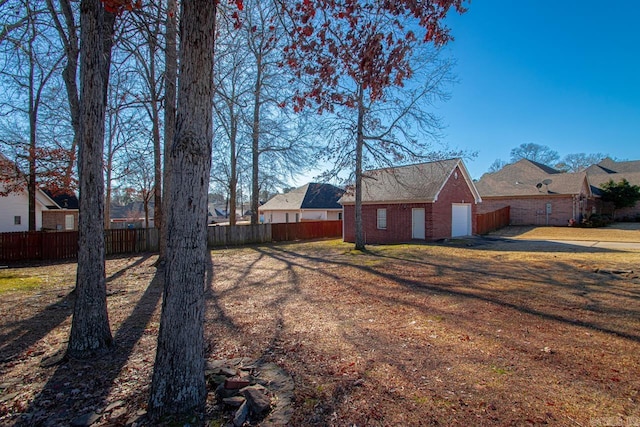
618 236
621 246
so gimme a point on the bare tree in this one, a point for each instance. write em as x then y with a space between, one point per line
535 152
178 384
353 54
260 128
579 161
90 331
144 45
170 76
125 125
64 20
497 165
35 59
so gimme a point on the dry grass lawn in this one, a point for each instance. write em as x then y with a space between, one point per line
618 232
473 332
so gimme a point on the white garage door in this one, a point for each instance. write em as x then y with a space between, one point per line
460 219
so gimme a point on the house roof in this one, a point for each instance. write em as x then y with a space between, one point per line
609 166
527 178
130 210
609 169
309 196
418 182
597 180
63 200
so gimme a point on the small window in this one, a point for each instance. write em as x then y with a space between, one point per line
382 219
340 215
17 220
69 222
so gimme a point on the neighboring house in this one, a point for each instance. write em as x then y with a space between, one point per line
311 202
218 213
14 205
63 216
14 213
427 201
131 215
608 170
536 194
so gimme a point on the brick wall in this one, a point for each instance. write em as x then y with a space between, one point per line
55 219
532 210
399 216
454 191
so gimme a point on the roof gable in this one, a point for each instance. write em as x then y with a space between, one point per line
609 166
322 196
309 196
417 182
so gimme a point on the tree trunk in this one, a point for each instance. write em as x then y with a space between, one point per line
90 333
33 113
170 74
233 179
360 240
178 384
155 119
69 74
255 143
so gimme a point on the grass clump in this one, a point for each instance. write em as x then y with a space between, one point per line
15 282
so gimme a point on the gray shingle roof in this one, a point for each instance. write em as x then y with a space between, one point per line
527 178
309 196
609 169
419 182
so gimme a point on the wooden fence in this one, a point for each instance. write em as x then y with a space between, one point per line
491 221
233 235
306 230
39 245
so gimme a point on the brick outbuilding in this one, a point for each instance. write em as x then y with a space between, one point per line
426 201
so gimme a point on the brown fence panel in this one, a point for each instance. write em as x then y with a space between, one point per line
492 221
121 241
305 230
59 245
234 235
38 245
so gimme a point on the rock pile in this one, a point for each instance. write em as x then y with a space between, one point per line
254 391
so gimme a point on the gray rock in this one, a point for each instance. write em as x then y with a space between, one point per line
224 393
85 420
241 415
257 399
235 401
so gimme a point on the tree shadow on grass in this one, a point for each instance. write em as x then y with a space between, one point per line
25 333
424 286
80 388
414 291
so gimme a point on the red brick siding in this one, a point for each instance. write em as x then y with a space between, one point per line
399 215
532 210
454 191
55 219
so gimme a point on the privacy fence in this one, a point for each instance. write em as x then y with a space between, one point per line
38 245
491 221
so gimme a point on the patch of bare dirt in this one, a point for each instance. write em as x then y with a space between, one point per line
477 333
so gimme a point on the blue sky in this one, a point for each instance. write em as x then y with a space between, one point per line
565 74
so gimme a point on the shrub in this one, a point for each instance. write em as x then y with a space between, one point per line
595 221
